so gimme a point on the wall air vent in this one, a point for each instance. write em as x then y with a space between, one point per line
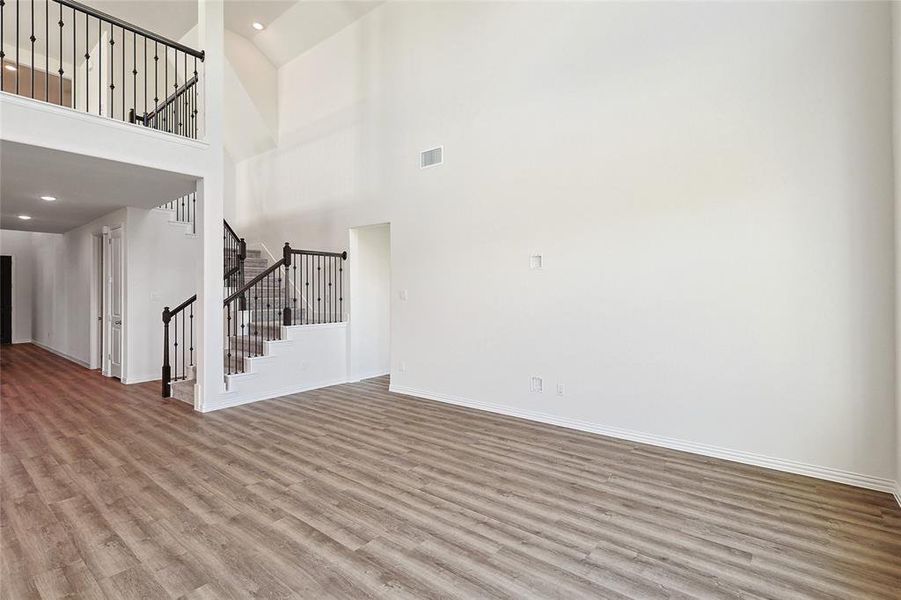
431 158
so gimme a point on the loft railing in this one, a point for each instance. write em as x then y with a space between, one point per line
182 348
72 55
304 287
175 114
185 209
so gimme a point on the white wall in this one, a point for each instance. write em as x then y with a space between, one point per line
161 265
710 185
64 288
370 291
18 245
896 64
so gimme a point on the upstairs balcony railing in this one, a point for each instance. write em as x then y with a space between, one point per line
72 55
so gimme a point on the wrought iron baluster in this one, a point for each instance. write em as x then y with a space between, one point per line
175 350
156 84
319 292
175 93
61 55
124 86
17 46
2 52
166 83
112 71
228 345
87 69
32 38
74 55
47 51
194 113
99 67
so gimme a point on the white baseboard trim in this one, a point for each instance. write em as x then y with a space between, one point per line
29 341
748 458
358 378
141 379
897 492
229 400
77 361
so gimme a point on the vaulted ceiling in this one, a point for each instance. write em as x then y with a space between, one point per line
291 26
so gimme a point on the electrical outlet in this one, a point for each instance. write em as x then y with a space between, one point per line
536 261
537 384
404 295
561 389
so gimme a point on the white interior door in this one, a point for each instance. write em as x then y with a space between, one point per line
115 292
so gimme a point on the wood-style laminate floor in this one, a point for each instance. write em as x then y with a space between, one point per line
108 491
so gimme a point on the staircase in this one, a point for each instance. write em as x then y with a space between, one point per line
270 306
254 263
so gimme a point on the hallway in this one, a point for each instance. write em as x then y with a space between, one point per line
355 492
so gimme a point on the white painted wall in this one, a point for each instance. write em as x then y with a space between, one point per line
18 245
896 64
306 357
161 263
710 184
370 291
64 288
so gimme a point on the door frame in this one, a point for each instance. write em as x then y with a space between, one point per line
97 301
106 369
354 372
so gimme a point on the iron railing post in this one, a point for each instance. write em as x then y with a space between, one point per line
167 369
286 312
242 256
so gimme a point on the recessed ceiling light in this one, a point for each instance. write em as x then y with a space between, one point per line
48 198
10 68
258 26
24 217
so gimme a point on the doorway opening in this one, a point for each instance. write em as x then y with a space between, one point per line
6 299
370 301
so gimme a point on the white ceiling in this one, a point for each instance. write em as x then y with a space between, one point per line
291 26
86 188
169 18
304 25
241 14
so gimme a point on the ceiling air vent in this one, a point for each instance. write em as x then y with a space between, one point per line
431 158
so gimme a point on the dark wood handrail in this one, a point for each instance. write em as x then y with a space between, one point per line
341 255
255 280
131 27
229 229
180 307
172 98
231 272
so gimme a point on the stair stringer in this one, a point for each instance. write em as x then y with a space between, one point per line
307 357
